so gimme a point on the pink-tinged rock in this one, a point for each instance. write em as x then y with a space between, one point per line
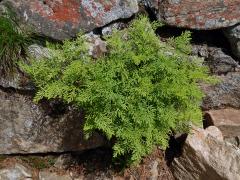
206 156
195 14
61 19
227 120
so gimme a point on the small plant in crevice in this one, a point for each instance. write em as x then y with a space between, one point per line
137 94
13 43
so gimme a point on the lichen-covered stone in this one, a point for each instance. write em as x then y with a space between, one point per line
61 19
211 14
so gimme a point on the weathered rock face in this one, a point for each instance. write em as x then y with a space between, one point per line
224 94
206 156
61 19
233 34
15 172
197 14
28 128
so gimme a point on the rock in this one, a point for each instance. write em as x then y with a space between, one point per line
109 29
29 128
219 62
197 14
233 35
97 47
38 52
227 120
225 94
216 59
65 18
17 80
16 172
206 156
46 175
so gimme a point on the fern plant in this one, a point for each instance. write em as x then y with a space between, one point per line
137 94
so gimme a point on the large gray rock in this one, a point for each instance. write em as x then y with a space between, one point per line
29 128
225 94
233 35
65 18
206 156
197 14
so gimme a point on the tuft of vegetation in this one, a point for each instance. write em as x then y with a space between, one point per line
137 94
13 43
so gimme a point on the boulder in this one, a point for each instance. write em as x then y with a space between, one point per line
61 19
206 156
29 128
224 94
233 35
197 14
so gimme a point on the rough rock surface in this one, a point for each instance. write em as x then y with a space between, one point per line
225 94
15 172
18 80
227 120
217 60
197 14
29 128
61 19
233 35
206 156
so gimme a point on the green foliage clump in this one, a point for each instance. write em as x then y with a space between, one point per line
12 43
137 94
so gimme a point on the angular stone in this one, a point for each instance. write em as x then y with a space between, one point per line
29 128
197 14
206 156
233 35
227 120
61 19
225 94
